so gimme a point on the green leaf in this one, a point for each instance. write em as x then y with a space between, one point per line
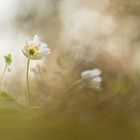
8 59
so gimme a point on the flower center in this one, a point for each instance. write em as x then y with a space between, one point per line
32 50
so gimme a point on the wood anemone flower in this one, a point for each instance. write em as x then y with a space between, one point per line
92 78
35 49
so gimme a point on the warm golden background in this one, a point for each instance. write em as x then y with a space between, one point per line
82 35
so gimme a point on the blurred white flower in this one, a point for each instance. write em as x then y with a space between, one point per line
35 49
89 78
92 78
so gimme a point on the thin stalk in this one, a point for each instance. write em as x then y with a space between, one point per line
71 86
3 77
63 94
27 80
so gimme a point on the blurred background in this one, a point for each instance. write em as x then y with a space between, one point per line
82 35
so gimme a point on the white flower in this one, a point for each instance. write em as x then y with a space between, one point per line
91 78
35 49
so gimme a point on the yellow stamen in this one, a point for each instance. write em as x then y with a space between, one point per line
32 50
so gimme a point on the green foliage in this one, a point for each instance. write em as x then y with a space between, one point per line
5 96
8 59
122 86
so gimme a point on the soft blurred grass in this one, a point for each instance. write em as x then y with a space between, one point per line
112 113
81 114
88 114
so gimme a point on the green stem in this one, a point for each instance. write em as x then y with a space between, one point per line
63 94
3 76
27 80
71 86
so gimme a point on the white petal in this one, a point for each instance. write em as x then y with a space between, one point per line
95 85
96 72
36 39
97 79
43 50
43 45
89 74
30 42
86 74
24 52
